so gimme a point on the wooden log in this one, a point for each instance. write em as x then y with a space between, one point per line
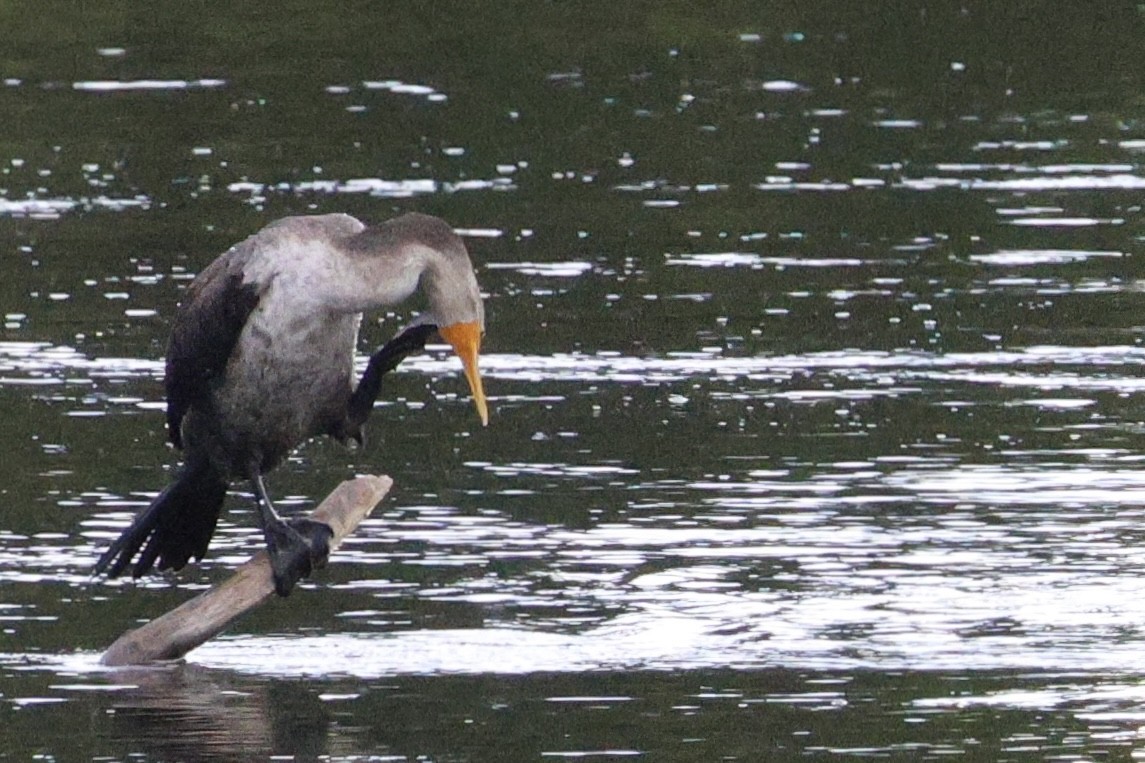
172 635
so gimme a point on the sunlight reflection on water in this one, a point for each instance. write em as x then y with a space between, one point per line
814 361
889 560
40 363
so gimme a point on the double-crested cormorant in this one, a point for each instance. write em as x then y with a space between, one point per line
261 358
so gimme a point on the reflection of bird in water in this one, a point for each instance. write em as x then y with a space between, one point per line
190 713
261 358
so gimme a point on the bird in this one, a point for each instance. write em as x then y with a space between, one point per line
261 358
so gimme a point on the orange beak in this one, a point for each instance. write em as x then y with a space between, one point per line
465 338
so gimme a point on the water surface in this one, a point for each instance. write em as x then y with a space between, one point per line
813 358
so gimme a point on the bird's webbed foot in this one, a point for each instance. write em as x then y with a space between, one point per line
350 430
297 547
407 341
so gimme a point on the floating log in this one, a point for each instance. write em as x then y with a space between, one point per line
172 635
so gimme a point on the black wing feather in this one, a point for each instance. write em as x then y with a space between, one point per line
207 327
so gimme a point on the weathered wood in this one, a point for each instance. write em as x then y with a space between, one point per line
177 632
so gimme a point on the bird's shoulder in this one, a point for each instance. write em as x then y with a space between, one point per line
326 227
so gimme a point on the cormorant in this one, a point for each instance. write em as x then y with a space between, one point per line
261 358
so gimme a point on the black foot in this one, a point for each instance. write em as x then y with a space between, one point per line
297 547
408 341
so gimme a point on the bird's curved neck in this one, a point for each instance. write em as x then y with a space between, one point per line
353 282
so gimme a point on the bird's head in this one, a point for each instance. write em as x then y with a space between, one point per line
419 252
456 307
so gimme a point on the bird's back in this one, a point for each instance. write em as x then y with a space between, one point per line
257 363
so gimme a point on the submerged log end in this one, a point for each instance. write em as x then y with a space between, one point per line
172 635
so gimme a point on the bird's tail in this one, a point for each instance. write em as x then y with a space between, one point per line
177 525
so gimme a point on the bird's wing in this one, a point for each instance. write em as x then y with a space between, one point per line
206 329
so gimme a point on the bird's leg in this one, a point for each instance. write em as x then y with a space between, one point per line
408 341
296 547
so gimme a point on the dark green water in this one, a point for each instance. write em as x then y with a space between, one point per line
814 357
